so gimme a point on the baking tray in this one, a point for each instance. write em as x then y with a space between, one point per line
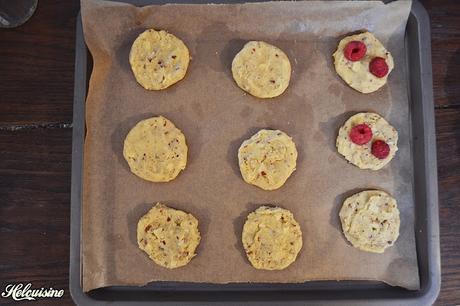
418 53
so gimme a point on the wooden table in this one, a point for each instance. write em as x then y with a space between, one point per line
36 96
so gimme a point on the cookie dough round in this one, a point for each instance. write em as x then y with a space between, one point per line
155 150
158 59
360 155
169 236
370 220
261 69
271 238
356 74
267 159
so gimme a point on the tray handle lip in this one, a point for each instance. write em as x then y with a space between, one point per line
78 134
430 292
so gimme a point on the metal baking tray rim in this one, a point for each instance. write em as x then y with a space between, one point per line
317 293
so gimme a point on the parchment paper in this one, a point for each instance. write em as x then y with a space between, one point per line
216 116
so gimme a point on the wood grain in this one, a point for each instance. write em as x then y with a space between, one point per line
37 66
36 93
445 40
35 209
448 144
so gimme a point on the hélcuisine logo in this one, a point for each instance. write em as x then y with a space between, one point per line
19 292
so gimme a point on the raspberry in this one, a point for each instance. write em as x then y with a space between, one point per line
361 134
354 50
378 67
380 149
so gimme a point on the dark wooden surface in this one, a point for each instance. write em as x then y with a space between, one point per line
36 92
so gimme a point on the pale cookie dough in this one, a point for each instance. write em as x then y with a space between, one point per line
360 155
261 69
169 236
370 220
158 59
357 74
271 238
267 159
155 150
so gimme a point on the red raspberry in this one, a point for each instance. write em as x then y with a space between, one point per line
354 50
380 149
378 67
361 134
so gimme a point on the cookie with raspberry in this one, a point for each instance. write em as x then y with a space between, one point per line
367 141
363 62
